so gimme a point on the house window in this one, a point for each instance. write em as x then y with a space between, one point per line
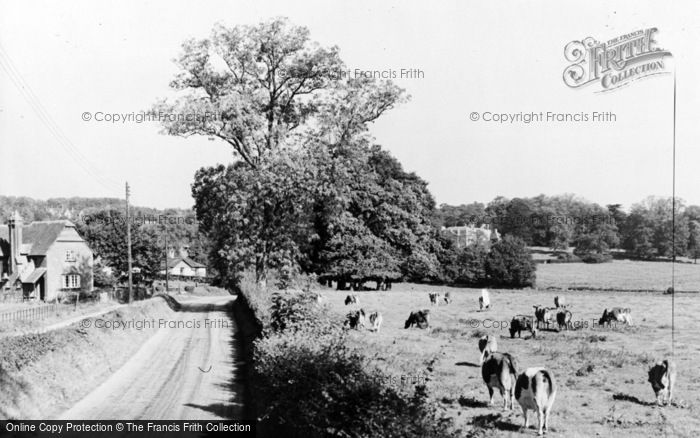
71 281
70 256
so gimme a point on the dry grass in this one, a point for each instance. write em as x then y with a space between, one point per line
601 373
619 275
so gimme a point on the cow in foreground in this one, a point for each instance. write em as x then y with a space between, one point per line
498 371
535 390
521 323
375 321
352 299
418 318
484 300
487 345
662 377
616 314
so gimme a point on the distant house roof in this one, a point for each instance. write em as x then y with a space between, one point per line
37 237
172 262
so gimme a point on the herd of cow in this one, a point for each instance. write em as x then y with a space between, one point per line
535 388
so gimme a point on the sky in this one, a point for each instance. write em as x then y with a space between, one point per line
69 58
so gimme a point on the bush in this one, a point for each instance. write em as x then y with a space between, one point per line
594 257
189 288
304 356
510 264
472 265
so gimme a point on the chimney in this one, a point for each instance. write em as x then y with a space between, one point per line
14 226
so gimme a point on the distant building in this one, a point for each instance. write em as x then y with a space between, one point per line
182 265
42 259
468 235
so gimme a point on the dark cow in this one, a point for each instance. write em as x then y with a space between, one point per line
662 377
616 314
544 315
355 320
498 371
535 390
563 318
418 318
522 323
352 299
487 345
433 298
447 298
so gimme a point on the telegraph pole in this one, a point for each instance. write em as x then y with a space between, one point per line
165 228
128 243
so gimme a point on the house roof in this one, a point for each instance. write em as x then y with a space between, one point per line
35 275
37 236
172 262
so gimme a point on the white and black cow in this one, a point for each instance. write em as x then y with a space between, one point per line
433 298
544 316
447 298
352 299
535 390
418 318
498 371
487 345
484 300
521 323
564 318
355 320
662 377
559 301
375 321
616 314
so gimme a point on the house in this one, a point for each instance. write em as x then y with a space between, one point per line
182 265
39 260
468 235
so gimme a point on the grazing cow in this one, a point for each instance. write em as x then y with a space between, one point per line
498 371
352 299
617 314
447 298
559 302
418 318
662 377
375 321
484 300
535 390
487 345
433 298
563 318
355 320
544 315
522 322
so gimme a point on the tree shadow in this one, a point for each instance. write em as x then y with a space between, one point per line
632 399
471 402
467 364
494 421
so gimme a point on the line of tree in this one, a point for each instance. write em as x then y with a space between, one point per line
561 222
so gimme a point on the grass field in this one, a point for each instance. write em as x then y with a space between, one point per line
619 275
601 373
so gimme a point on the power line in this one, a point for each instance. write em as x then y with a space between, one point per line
673 226
28 94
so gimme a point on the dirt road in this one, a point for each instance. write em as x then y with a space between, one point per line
186 371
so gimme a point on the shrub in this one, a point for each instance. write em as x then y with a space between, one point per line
510 264
189 288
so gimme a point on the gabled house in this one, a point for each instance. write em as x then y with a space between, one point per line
42 259
182 265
